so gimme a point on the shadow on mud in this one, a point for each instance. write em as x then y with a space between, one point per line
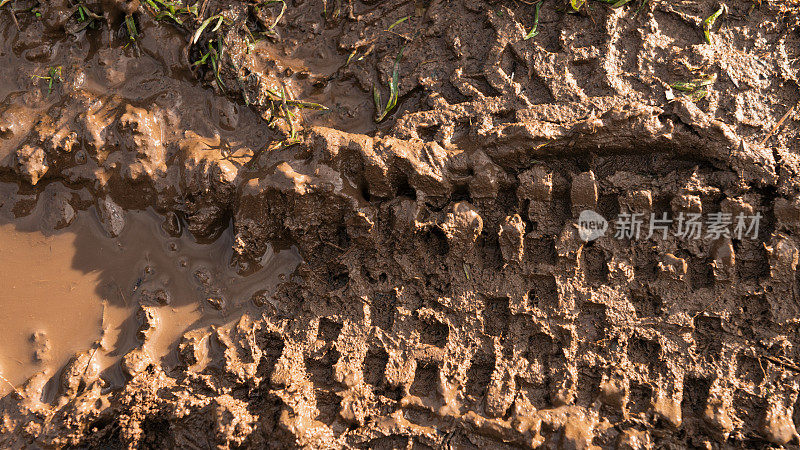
190 285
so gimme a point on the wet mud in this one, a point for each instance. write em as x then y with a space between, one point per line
350 224
72 287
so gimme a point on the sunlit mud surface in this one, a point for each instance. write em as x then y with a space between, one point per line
355 224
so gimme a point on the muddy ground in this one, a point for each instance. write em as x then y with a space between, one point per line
445 297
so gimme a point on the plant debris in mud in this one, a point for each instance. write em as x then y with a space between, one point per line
86 19
695 89
54 75
535 29
130 27
381 110
282 3
208 40
218 18
708 23
211 57
172 10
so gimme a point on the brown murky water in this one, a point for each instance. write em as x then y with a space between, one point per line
77 289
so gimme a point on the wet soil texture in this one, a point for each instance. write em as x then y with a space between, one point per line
360 224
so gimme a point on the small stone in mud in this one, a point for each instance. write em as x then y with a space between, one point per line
203 276
536 184
156 297
687 203
41 346
462 226
260 298
112 216
135 361
778 426
193 347
128 6
58 212
640 201
632 438
216 302
80 157
673 267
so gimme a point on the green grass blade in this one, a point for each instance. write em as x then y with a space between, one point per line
709 22
202 60
695 89
169 15
620 3
394 89
703 82
215 68
684 86
280 14
350 57
397 22
219 24
131 26
203 26
307 105
698 95
394 86
535 30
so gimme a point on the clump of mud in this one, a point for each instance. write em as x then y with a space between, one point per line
446 296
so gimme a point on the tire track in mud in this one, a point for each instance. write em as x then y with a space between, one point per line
446 297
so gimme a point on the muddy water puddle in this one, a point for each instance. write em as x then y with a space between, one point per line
77 289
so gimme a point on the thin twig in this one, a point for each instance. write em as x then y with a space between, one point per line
764 372
334 245
782 363
90 359
778 125
202 12
125 300
14 17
